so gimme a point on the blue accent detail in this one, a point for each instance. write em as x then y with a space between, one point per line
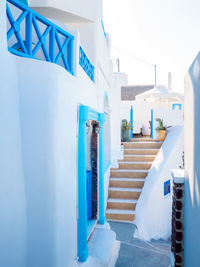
167 187
103 28
177 105
85 114
86 64
82 186
102 217
89 195
52 32
151 123
131 120
24 2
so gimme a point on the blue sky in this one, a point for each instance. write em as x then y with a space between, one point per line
164 32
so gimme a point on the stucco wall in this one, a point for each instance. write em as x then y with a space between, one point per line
118 80
48 115
170 118
39 131
192 166
142 113
12 187
153 210
88 10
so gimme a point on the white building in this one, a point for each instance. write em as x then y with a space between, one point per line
192 166
50 114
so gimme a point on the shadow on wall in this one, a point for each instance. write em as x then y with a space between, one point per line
192 166
153 210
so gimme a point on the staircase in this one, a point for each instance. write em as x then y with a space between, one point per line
127 181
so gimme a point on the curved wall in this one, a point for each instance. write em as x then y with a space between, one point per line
154 210
12 188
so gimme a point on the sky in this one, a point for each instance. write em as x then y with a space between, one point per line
161 32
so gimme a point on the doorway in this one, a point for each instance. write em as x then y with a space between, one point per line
92 175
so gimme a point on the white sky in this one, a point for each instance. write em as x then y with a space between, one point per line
164 32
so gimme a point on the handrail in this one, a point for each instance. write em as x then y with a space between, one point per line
55 43
86 64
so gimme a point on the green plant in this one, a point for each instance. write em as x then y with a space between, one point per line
161 126
126 125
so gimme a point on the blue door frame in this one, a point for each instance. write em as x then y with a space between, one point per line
85 114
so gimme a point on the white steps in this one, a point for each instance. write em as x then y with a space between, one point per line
120 215
128 173
141 151
121 200
125 189
127 181
121 204
113 211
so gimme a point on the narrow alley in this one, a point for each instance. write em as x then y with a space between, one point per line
138 253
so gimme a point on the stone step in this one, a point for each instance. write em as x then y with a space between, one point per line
120 215
122 204
134 165
127 173
125 193
141 151
142 145
127 182
143 140
146 158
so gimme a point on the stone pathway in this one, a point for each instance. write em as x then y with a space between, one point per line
137 253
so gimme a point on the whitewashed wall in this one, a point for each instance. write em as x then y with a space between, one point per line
170 118
12 187
192 166
153 210
39 131
69 11
118 80
142 113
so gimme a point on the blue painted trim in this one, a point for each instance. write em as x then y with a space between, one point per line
85 114
102 25
86 64
93 115
24 2
177 105
51 32
131 120
167 187
82 186
102 217
151 123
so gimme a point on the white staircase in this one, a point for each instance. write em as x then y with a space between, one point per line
127 181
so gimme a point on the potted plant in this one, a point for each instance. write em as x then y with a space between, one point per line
126 127
161 129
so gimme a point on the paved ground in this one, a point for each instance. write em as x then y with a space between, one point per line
136 253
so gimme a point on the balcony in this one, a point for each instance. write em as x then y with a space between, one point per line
31 35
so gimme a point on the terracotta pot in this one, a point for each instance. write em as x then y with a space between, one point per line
162 135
